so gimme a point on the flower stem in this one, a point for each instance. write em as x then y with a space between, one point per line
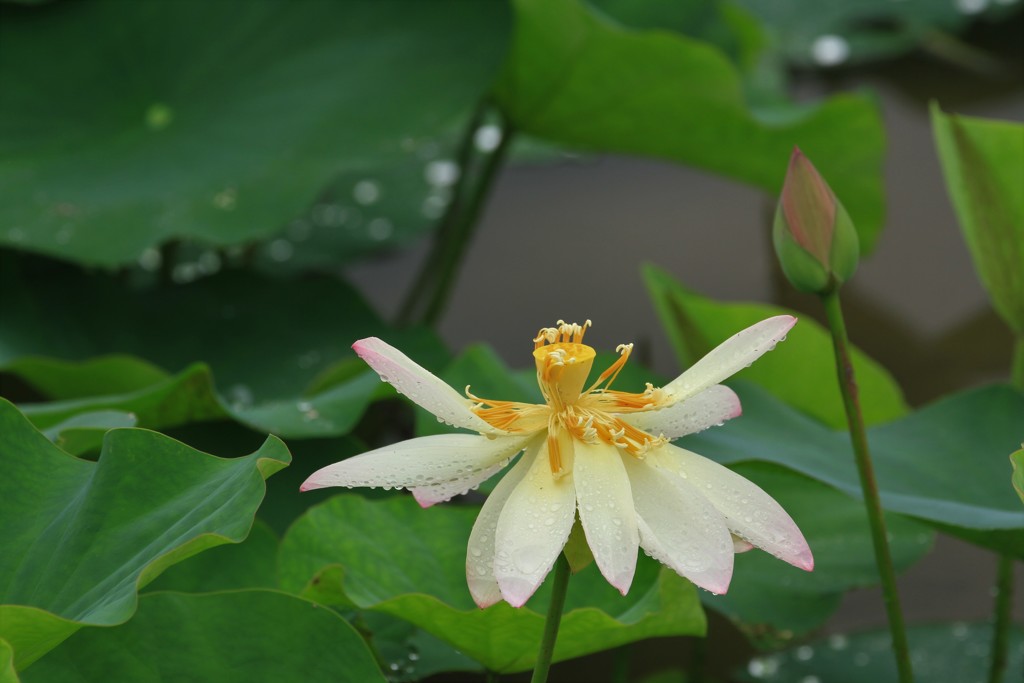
869 487
553 620
429 293
1004 571
1001 628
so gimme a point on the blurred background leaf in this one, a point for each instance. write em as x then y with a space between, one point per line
273 102
984 166
575 78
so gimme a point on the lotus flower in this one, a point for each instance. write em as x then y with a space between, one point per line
590 453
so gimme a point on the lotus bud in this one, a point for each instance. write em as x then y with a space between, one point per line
814 237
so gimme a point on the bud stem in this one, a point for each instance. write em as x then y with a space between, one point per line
869 487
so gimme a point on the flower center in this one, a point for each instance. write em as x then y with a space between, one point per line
563 364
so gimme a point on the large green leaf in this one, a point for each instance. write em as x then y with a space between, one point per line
273 348
801 371
983 162
772 602
226 118
941 653
234 637
577 79
944 465
249 564
147 503
393 557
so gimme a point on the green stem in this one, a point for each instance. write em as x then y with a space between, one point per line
430 291
551 623
1017 373
883 558
1004 571
1001 629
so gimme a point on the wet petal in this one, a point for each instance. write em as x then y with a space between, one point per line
533 528
740 546
729 357
680 528
751 513
606 511
426 461
420 386
711 407
480 551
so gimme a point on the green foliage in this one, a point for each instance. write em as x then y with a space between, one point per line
773 602
278 351
944 465
393 557
228 118
801 371
984 166
82 433
7 672
147 503
235 637
232 566
577 79
942 653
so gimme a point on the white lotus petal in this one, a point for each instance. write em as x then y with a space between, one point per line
606 511
729 357
533 528
480 551
680 528
427 496
740 546
426 461
751 513
711 407
420 386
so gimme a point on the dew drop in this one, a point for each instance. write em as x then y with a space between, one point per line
830 50
226 199
442 172
158 116
280 250
150 259
487 138
380 229
366 192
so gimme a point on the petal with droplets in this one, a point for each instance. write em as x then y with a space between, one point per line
480 550
750 513
680 528
533 528
605 503
729 357
426 461
711 407
420 386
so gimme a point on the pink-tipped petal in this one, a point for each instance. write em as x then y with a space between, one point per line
445 459
480 549
427 496
533 528
709 408
750 513
741 546
605 504
729 357
680 528
420 386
